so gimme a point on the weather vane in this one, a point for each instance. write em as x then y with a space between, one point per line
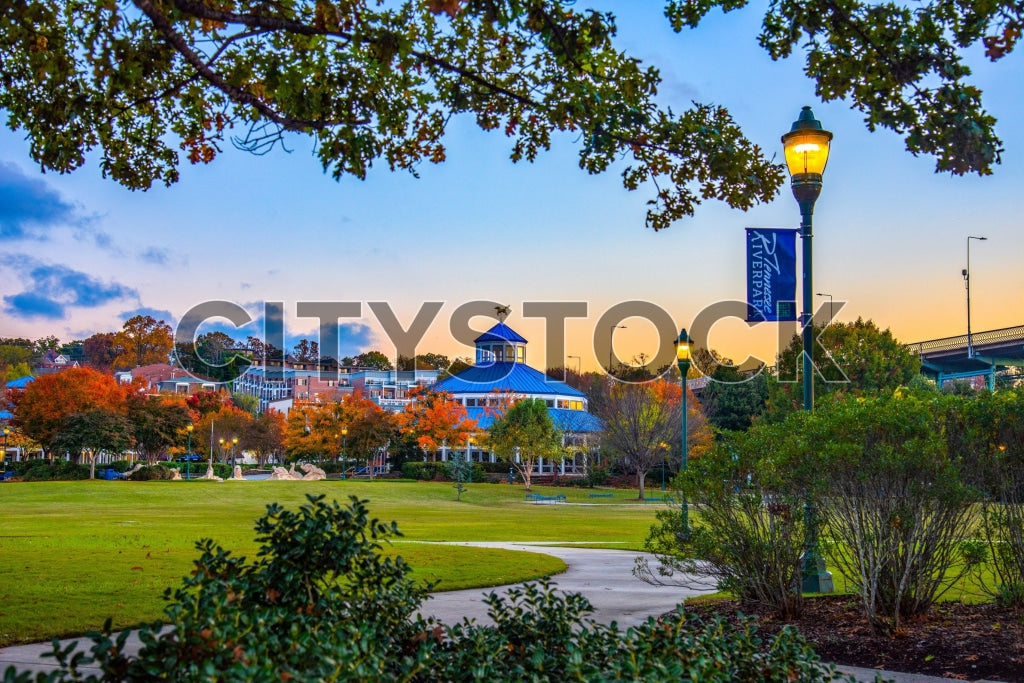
502 312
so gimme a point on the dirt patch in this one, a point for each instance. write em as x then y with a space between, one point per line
966 642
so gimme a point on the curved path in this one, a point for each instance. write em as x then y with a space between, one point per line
605 577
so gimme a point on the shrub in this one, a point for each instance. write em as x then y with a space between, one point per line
749 536
54 470
897 511
320 602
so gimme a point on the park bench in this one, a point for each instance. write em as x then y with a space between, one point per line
538 498
659 500
602 495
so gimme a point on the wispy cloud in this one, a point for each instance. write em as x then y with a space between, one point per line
28 207
156 255
50 290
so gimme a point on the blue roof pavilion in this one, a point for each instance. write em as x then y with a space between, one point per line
501 369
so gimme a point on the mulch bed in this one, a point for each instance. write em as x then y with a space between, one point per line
966 642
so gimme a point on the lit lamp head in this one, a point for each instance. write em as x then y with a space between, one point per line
190 428
806 145
683 344
344 431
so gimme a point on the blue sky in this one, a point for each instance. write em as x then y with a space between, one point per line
82 253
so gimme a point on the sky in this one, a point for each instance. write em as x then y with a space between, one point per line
80 253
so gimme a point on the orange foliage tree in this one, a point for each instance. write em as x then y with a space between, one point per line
434 419
315 430
228 423
643 425
142 341
43 407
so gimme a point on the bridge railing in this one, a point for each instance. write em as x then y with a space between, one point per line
1006 334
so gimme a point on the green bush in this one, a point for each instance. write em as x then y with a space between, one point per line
749 534
55 470
423 471
320 602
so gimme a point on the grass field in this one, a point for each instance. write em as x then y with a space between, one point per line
74 553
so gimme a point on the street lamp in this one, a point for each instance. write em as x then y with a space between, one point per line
234 442
611 346
188 456
221 442
344 443
579 365
683 361
469 457
4 457
831 310
967 284
807 146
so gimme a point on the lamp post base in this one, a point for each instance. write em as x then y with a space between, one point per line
816 578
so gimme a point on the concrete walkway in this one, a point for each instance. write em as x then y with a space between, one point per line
603 576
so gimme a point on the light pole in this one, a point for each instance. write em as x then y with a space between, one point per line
469 457
683 361
967 284
831 310
579 365
4 458
188 456
344 443
807 146
611 346
234 442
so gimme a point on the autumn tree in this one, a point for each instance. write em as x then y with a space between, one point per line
525 434
100 351
216 430
434 419
43 406
203 402
861 359
143 341
643 425
265 436
156 423
85 435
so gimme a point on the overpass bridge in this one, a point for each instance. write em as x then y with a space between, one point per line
977 360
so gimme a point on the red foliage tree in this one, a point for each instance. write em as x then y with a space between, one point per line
44 406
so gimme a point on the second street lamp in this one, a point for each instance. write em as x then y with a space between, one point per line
807 146
683 361
188 456
344 443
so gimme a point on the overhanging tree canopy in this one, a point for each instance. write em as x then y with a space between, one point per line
375 83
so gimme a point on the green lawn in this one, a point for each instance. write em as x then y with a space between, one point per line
74 553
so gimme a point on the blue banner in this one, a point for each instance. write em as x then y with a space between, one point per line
771 274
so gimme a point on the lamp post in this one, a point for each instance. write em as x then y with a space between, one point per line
221 442
469 457
579 364
831 310
188 456
967 284
807 146
4 457
683 361
344 443
611 346
234 442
